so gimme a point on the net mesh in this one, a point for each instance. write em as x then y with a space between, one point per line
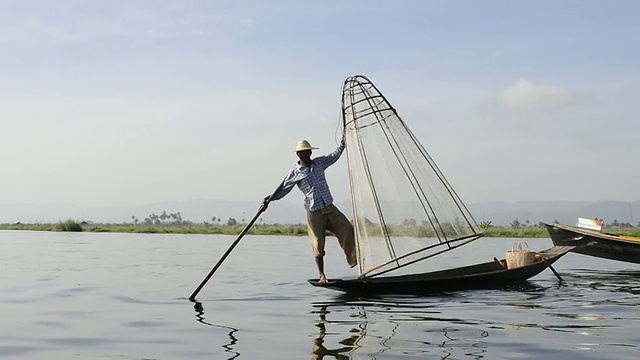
404 209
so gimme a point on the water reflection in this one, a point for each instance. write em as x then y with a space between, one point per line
347 345
624 281
229 347
371 328
585 311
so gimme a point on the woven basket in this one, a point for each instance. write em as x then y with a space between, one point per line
520 255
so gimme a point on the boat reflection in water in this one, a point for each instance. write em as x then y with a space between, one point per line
606 283
579 315
377 329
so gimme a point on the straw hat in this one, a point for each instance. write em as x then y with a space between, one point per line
304 145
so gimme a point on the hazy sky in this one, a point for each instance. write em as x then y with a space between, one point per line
131 102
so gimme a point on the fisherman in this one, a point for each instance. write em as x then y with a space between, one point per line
322 215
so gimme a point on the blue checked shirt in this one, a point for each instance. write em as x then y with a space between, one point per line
311 181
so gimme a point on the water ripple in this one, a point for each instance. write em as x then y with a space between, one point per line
414 319
122 296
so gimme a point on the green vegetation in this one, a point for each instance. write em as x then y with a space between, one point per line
69 225
165 222
173 223
530 232
276 229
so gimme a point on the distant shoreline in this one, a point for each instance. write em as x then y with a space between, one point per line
286 230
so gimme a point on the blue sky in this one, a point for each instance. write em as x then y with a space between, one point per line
131 102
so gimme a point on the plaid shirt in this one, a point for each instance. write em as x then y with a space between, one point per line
311 181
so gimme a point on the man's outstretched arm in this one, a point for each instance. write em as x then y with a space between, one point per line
332 157
282 191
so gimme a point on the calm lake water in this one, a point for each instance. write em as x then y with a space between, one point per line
124 296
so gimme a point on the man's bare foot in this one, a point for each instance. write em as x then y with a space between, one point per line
323 280
352 260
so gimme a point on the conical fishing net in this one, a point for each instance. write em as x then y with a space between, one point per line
404 209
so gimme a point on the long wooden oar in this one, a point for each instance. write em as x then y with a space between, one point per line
233 245
552 269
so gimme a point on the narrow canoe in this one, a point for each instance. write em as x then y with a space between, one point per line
487 275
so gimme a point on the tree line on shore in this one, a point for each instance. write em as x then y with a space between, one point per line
174 223
175 219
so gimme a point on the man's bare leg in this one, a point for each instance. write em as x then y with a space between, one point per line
322 279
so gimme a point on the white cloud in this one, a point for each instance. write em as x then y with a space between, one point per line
525 95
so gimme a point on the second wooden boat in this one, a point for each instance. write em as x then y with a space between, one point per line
596 243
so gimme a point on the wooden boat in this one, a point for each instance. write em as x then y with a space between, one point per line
405 211
487 275
596 243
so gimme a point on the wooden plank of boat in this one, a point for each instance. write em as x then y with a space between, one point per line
595 243
480 276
